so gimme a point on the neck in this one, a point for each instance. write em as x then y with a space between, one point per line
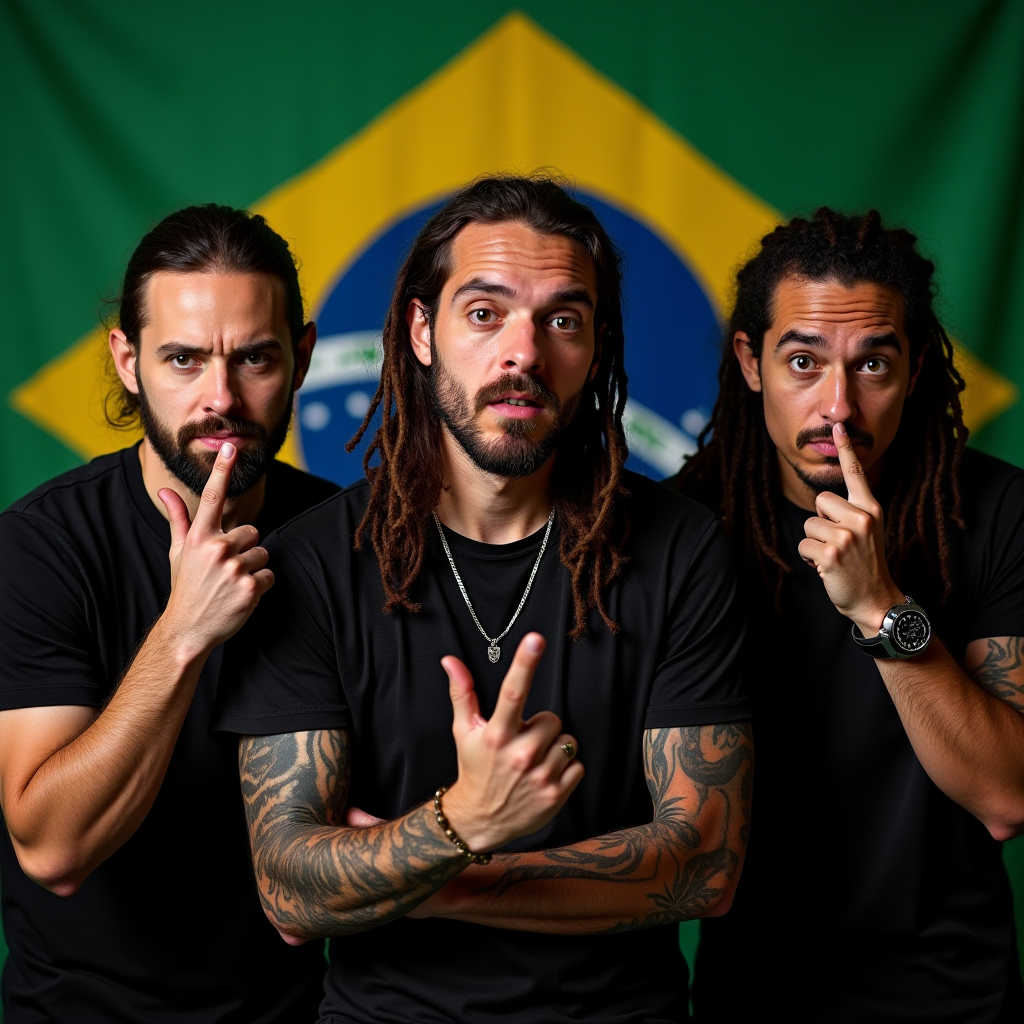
155 475
803 495
487 508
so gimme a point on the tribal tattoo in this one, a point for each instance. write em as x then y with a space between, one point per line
1002 672
700 784
315 876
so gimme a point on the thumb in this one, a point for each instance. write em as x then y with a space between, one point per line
356 818
465 706
177 513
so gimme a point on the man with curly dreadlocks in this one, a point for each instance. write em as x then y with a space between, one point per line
885 570
499 516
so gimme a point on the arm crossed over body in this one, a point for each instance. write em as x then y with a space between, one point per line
319 876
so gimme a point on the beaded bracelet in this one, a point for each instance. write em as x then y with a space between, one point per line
476 858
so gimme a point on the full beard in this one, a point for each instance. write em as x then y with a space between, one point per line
519 452
193 468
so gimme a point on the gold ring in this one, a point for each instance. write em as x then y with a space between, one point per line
570 749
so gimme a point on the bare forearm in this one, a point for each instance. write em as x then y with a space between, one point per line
316 877
89 796
970 742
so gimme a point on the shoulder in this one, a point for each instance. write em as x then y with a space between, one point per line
68 489
653 507
328 528
992 490
290 493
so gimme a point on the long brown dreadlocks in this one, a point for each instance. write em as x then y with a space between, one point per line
406 484
736 454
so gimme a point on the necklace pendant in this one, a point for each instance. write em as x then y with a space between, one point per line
494 653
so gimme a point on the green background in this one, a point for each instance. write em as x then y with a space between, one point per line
114 113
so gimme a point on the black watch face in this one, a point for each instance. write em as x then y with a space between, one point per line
911 631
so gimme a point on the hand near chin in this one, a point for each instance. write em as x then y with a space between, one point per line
845 542
217 578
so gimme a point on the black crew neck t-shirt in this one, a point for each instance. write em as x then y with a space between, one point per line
867 894
169 927
321 654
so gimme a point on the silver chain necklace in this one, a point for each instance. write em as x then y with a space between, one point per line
493 650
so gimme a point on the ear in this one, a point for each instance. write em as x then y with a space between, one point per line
915 372
419 331
749 365
303 354
124 355
598 344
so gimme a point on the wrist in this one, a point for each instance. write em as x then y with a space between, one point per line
180 645
869 618
474 834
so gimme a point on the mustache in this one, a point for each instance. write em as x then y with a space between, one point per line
216 424
824 433
517 382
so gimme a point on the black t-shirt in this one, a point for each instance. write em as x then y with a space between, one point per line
867 894
169 927
321 654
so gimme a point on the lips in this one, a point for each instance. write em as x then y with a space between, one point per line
826 448
214 441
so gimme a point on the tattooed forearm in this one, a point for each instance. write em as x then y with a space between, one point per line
1002 672
315 876
679 866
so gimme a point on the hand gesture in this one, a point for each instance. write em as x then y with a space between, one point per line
514 776
217 578
845 542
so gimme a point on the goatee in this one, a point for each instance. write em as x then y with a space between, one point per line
518 452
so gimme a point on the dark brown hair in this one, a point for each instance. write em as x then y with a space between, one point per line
197 240
736 453
406 484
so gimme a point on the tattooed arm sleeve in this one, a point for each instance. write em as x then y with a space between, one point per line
684 864
315 876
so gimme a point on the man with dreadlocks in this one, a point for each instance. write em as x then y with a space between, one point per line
500 510
885 570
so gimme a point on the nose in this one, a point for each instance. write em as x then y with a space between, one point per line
219 396
520 351
837 400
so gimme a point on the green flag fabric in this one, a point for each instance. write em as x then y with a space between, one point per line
692 128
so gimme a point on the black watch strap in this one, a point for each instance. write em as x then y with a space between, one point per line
876 646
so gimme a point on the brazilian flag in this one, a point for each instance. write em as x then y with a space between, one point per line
692 128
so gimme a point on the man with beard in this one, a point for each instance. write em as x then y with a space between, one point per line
884 564
468 870
127 892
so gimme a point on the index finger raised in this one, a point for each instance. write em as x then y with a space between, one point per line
515 688
853 469
215 493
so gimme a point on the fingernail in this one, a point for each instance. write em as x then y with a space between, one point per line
841 427
534 643
227 449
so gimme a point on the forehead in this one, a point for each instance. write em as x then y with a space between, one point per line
835 309
513 254
213 299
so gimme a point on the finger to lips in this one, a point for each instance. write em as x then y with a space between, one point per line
211 504
853 469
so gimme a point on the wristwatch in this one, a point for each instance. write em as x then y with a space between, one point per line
904 634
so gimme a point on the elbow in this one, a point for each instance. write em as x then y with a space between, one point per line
54 871
722 903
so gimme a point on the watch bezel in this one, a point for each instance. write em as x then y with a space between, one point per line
891 624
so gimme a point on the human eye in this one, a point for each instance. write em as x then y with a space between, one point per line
564 322
802 362
482 315
255 359
876 366
182 361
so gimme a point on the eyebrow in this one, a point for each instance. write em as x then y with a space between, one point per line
478 284
888 339
177 348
